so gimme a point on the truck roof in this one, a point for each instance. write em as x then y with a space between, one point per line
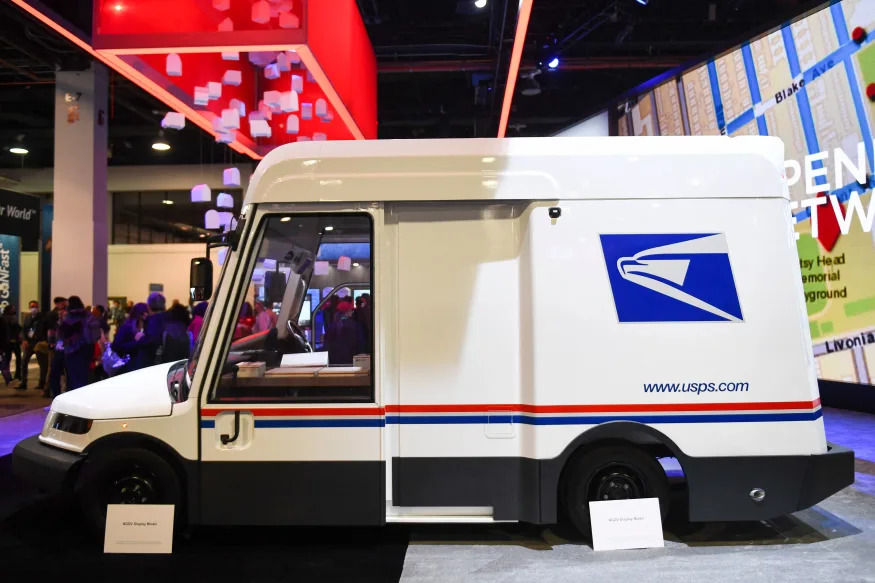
555 168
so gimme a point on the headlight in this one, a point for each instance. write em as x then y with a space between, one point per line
71 424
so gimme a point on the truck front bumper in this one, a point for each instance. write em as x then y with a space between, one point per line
720 488
44 466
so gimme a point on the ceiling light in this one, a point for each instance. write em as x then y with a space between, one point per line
285 219
118 7
356 264
160 143
329 228
554 62
167 201
480 3
642 2
18 150
202 236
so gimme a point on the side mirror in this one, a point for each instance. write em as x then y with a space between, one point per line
201 279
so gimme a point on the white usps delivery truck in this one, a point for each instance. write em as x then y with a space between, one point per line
476 330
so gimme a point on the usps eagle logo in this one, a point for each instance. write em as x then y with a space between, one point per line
671 277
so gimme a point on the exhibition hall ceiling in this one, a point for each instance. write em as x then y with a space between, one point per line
442 68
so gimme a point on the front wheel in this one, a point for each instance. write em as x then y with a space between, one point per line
611 473
127 476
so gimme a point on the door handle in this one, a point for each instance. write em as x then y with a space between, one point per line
225 438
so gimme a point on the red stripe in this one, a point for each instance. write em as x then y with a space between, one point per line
308 412
292 411
632 408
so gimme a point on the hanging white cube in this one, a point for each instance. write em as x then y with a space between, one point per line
321 268
231 56
226 25
344 263
258 275
225 137
328 117
294 58
310 77
201 193
321 107
214 89
238 105
264 111
297 84
304 139
283 63
270 264
289 20
289 101
272 98
261 12
319 137
222 255
173 65
293 125
306 111
271 72
221 5
233 78
256 116
284 5
218 125
201 96
211 219
231 177
231 118
259 128
225 201
173 121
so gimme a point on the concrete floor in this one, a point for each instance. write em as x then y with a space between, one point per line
43 539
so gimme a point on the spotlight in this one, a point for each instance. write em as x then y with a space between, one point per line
553 63
160 144
480 3
642 2
329 228
167 201
118 7
18 150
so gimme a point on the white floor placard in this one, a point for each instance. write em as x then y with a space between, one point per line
626 524
139 528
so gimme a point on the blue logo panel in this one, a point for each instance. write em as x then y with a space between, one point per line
671 277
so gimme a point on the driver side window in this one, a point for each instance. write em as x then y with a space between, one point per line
307 265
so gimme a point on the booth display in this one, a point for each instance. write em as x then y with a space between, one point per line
526 406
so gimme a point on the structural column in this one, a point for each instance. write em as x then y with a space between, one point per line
79 229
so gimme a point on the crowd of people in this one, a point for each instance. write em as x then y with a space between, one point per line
75 345
71 342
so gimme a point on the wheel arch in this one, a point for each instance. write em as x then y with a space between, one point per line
631 433
186 470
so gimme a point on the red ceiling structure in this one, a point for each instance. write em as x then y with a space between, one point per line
324 43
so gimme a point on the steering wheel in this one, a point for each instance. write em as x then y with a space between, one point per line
296 335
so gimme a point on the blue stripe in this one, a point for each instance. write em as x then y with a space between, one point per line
754 85
595 420
715 95
298 423
841 26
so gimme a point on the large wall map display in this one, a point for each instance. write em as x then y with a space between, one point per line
805 83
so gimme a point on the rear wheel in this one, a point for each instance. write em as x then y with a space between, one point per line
611 473
127 476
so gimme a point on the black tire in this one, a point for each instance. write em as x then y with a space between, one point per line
128 475
610 473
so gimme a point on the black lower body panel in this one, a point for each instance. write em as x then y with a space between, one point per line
292 493
720 487
49 468
510 485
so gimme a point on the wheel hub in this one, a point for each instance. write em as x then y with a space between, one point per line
616 483
133 489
